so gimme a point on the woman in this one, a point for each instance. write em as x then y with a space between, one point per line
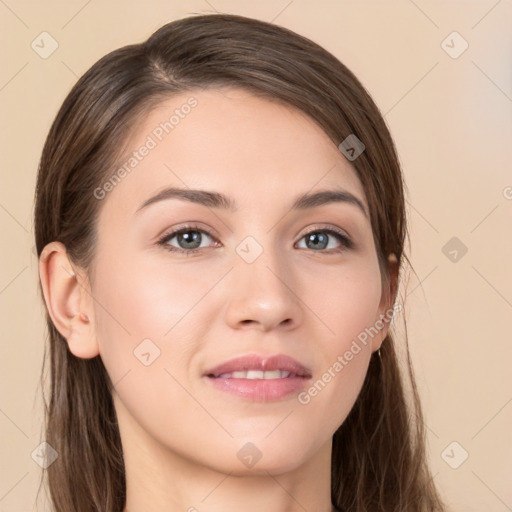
220 226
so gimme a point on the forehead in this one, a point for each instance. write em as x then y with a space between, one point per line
229 139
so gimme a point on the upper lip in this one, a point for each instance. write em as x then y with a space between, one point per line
279 362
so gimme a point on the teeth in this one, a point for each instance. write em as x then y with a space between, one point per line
256 374
253 374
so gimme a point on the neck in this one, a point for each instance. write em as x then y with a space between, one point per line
160 480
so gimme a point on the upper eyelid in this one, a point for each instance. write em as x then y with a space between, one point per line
185 228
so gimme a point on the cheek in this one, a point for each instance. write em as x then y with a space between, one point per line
145 342
145 298
143 308
349 308
347 301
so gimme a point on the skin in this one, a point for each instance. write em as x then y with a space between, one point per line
180 435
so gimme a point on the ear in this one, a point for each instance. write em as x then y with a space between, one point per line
388 297
69 301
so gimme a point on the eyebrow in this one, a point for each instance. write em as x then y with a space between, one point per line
218 200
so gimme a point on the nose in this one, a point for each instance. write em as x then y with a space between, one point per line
263 295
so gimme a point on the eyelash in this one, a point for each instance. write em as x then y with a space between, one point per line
342 238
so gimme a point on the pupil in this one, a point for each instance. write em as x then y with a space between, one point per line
314 238
188 239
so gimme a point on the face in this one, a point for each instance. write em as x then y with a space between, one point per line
232 320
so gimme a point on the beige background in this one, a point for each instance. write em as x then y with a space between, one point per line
451 119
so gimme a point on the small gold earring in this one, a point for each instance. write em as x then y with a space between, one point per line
378 352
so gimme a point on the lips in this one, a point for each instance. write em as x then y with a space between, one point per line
259 367
259 378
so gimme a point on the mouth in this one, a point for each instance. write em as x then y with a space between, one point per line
259 378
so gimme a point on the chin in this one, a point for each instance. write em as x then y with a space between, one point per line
275 454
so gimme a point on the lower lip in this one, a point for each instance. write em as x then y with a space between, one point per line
260 390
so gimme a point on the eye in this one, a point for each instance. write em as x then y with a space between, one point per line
191 239
321 239
187 240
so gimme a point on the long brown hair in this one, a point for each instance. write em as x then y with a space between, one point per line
379 457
